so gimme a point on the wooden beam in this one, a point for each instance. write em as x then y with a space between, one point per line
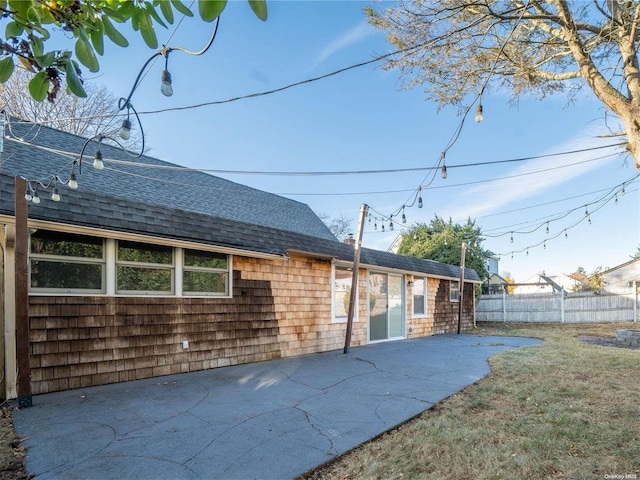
22 296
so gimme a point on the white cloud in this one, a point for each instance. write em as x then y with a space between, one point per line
488 197
352 36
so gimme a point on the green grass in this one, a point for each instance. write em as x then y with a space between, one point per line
561 410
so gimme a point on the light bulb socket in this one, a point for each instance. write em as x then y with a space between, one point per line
125 130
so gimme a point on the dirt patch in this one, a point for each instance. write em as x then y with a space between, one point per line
603 341
12 454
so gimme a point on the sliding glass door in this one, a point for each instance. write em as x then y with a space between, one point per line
386 306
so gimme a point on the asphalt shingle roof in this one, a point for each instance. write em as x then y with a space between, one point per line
119 202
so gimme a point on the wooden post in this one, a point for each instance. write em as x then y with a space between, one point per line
22 296
461 295
354 277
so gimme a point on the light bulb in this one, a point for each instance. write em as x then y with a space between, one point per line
547 230
36 197
27 196
479 116
165 86
125 130
383 228
565 234
420 201
404 218
55 196
375 226
443 171
98 164
73 181
511 238
391 225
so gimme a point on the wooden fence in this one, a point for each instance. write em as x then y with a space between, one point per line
560 307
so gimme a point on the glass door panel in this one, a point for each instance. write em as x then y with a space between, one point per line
377 307
395 284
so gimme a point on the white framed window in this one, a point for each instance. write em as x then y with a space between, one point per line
205 273
341 291
144 268
454 290
419 296
63 263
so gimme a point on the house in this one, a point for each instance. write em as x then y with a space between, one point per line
623 278
540 283
496 284
149 269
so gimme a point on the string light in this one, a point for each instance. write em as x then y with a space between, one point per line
547 229
420 197
511 239
98 164
391 224
565 234
404 217
55 195
73 181
479 116
36 198
125 130
443 170
165 86
383 227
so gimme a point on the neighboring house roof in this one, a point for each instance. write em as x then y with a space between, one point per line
622 265
111 200
496 279
556 287
150 180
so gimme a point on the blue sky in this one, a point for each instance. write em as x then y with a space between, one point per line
362 120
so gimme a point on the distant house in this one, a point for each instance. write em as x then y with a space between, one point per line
149 268
622 278
496 284
540 283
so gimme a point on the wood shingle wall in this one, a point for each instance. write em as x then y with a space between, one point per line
279 308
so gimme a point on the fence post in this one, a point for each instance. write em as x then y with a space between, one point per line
635 301
562 306
504 304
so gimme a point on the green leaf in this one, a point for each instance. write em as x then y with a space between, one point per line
73 81
13 29
114 35
39 86
152 11
167 11
179 6
42 31
36 46
84 52
259 7
46 60
97 38
146 29
33 16
6 69
211 9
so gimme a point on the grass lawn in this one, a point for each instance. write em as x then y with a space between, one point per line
565 409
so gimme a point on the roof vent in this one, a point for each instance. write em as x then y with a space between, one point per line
349 240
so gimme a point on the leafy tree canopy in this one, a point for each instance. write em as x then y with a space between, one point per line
442 241
456 49
29 23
